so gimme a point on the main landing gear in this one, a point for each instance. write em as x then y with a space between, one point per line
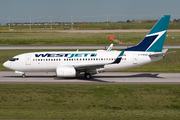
87 75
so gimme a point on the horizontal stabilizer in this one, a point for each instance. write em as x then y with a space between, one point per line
164 51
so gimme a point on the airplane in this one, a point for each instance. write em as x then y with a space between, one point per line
69 64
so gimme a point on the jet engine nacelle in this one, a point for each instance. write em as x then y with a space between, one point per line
65 72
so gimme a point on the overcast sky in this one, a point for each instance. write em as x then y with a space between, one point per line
86 10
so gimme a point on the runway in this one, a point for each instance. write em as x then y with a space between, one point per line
76 47
101 78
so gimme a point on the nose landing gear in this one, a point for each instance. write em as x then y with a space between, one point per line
23 75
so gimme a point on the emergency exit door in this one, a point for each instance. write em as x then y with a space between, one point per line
28 60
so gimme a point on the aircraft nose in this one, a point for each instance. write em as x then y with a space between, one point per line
6 64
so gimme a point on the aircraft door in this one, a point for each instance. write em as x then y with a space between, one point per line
28 60
135 59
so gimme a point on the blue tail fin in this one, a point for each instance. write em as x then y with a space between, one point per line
154 40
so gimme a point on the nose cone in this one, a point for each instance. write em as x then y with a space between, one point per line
6 64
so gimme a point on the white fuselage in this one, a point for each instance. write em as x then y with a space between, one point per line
49 61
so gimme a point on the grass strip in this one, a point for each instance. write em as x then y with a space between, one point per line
57 101
56 38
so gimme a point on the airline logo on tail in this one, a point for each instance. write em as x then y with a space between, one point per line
154 40
157 42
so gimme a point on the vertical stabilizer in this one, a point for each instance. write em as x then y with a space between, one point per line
154 40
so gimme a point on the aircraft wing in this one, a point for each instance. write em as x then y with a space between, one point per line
89 66
97 66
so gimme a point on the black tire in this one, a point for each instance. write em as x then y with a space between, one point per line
87 75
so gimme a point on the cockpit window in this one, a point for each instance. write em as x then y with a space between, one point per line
14 59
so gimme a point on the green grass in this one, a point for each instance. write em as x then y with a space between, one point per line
171 62
28 101
56 41
133 39
56 38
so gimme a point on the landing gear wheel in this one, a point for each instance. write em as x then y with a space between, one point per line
23 75
87 75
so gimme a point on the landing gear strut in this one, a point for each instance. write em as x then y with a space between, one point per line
87 75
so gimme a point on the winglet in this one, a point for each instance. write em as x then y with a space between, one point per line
122 53
118 59
110 47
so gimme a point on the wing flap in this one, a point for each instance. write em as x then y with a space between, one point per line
89 66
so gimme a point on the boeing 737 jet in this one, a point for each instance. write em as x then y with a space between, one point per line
69 64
